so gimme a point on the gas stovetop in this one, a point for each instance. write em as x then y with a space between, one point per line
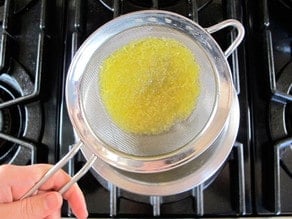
38 41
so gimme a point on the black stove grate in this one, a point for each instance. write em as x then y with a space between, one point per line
280 81
38 41
271 79
17 72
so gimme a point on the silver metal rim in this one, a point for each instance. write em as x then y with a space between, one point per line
181 178
145 164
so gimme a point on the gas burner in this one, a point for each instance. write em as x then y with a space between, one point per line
20 122
281 119
280 113
10 123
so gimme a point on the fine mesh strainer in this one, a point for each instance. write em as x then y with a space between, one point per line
148 147
185 140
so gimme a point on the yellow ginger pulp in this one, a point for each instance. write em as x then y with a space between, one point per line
149 85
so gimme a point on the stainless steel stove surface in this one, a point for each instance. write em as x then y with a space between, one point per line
38 41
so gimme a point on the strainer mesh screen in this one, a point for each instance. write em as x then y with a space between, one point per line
180 134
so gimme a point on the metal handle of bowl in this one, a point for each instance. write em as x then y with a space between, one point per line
227 23
58 166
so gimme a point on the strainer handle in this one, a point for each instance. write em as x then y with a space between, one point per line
227 23
58 166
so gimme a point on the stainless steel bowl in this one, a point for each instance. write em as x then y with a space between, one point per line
179 179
